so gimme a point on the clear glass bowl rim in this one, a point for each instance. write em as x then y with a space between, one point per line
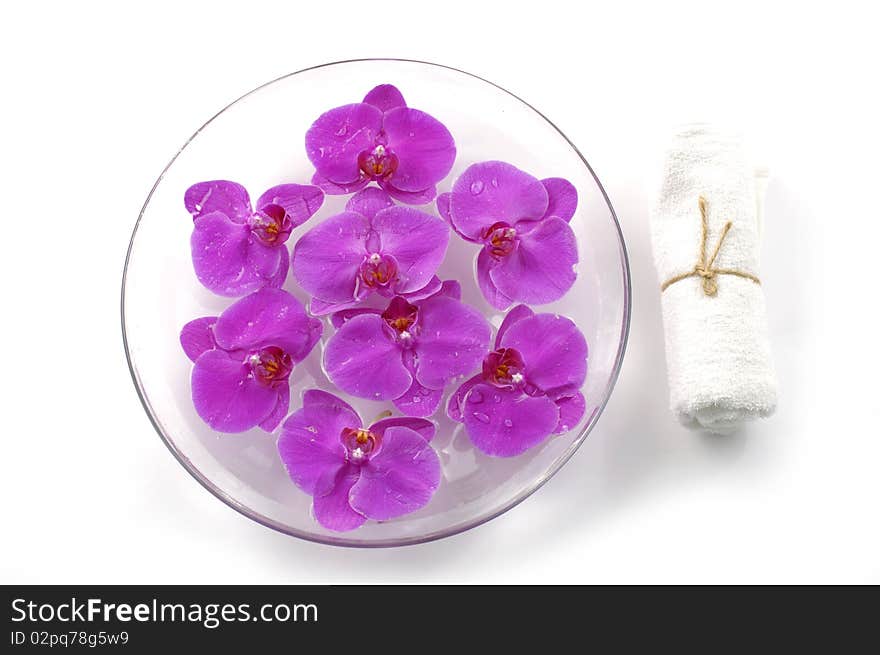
404 541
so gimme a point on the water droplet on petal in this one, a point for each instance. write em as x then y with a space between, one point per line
477 188
495 182
508 423
497 398
482 418
475 397
416 399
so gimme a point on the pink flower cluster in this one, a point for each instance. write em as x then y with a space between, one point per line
398 333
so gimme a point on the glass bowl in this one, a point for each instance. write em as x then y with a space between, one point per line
258 140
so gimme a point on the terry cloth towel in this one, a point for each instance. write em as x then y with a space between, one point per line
717 348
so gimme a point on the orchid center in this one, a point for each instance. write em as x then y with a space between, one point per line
500 239
504 368
271 225
378 163
359 444
378 270
270 365
401 317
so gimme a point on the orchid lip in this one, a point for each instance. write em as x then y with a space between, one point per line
271 225
378 270
500 239
378 163
504 368
402 317
270 365
359 444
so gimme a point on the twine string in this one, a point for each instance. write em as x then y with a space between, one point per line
705 267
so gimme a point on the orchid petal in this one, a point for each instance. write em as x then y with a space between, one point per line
571 410
340 318
318 307
228 198
492 192
506 422
197 336
227 260
363 360
333 510
562 198
401 478
453 339
277 281
419 400
424 147
451 289
281 406
552 348
444 208
433 286
416 240
421 426
385 97
327 257
541 268
335 140
269 317
455 404
515 315
422 197
335 189
310 443
300 201
369 201
226 396
493 296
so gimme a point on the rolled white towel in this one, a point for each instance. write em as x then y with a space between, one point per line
714 314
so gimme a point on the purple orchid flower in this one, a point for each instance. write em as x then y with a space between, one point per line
236 249
407 353
374 246
353 473
243 359
405 151
529 387
529 250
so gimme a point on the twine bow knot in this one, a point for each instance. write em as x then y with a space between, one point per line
705 267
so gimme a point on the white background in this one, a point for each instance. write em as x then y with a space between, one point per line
97 97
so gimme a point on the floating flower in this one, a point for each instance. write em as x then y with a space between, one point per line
529 250
243 359
374 246
529 387
354 473
409 352
405 151
236 249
